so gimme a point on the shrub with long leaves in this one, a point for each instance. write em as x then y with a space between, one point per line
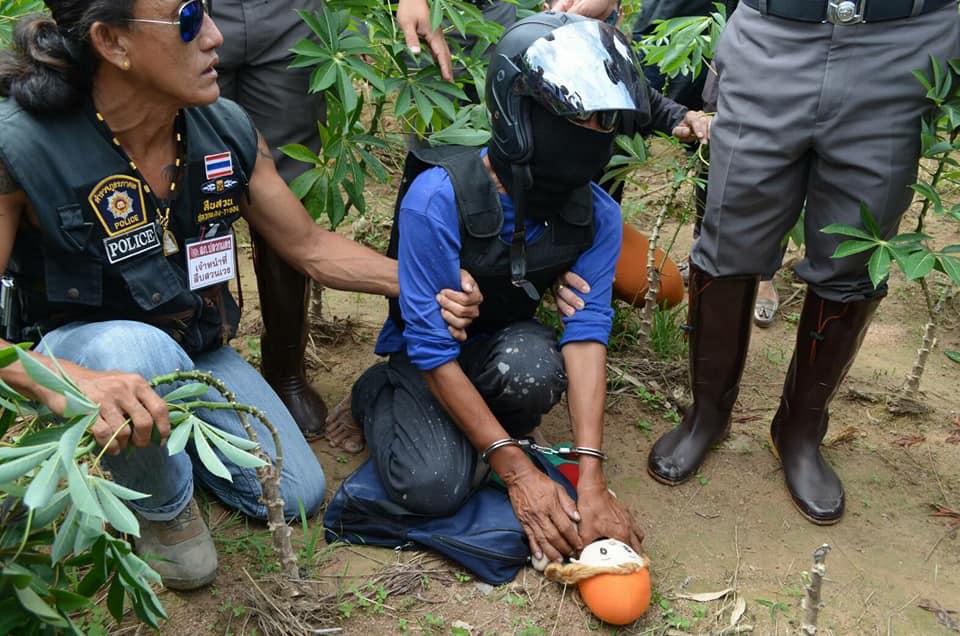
359 57
916 253
62 520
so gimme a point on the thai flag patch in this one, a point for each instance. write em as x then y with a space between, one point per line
218 165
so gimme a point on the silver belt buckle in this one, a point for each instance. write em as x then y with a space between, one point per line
845 12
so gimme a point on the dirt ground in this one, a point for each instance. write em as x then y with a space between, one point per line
732 528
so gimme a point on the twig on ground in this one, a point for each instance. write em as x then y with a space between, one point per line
812 603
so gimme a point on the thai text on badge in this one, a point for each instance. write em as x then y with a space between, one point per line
211 261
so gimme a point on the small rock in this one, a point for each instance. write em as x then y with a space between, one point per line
483 588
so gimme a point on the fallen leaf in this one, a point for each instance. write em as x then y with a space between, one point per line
702 597
738 609
943 616
954 437
911 439
845 436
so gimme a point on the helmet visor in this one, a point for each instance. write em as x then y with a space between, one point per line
582 67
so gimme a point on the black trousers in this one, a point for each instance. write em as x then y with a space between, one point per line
424 462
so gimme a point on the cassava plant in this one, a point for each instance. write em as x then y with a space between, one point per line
934 266
63 522
11 11
359 57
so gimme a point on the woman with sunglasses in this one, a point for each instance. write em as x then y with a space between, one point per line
121 174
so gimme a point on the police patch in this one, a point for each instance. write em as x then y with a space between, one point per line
118 203
132 243
220 186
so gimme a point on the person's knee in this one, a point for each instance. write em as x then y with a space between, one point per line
134 347
429 491
529 370
307 495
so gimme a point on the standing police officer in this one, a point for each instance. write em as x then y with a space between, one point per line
817 102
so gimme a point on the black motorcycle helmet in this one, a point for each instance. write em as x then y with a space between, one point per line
571 65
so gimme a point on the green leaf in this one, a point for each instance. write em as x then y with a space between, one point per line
44 484
848 248
847 230
300 153
40 374
68 602
879 266
232 453
301 184
115 598
116 512
323 77
80 493
953 355
207 457
12 452
14 469
122 492
17 575
65 537
8 355
52 511
186 391
180 435
950 266
919 264
869 222
32 602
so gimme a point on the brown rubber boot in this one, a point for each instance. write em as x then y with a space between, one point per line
720 316
283 304
828 338
180 550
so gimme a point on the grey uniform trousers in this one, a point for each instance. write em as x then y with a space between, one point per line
425 463
830 114
257 37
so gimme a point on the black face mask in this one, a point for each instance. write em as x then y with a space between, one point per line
565 157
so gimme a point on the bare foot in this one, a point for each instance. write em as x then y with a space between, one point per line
342 430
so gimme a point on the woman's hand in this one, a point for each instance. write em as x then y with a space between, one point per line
546 514
603 516
695 126
460 308
565 292
122 397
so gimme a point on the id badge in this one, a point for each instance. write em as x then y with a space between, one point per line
211 261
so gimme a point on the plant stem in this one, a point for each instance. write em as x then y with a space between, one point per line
911 387
653 270
934 182
811 603
268 475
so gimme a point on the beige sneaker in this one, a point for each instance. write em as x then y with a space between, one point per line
180 550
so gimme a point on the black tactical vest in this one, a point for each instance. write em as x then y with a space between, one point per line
97 254
483 253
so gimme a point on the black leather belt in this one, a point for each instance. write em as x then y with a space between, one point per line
845 12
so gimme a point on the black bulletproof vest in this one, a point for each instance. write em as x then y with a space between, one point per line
483 253
96 254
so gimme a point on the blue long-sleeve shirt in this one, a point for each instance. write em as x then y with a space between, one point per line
429 260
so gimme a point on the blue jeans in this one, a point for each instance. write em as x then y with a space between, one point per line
136 347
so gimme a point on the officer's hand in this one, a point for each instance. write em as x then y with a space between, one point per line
565 292
413 17
694 127
460 308
129 407
603 516
546 514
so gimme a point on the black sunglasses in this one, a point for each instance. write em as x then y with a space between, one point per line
189 19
